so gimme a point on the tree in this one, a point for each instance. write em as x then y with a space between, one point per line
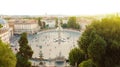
64 25
7 58
84 41
76 56
1 26
25 52
72 23
39 22
56 22
77 26
101 42
96 50
47 26
87 63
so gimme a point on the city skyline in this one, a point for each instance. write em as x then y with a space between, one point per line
58 7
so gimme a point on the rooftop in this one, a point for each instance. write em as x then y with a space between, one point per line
25 21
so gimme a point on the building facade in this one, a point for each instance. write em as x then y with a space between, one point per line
49 22
5 31
26 26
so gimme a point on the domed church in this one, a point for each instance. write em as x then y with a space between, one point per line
5 31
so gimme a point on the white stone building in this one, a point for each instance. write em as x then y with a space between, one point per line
29 27
49 22
5 32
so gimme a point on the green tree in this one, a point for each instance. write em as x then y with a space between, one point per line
7 18
77 26
64 25
1 26
85 40
47 26
87 63
56 22
7 58
76 56
25 52
72 23
101 42
96 50
39 22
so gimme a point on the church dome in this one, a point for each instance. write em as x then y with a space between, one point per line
2 21
4 24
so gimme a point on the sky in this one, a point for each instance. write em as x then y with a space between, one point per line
58 7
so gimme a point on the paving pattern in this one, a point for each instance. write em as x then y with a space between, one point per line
45 41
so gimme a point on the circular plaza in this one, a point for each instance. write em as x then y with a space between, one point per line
51 43
45 41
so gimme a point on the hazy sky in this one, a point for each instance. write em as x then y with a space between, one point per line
58 7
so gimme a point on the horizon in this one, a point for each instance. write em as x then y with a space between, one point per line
59 7
63 15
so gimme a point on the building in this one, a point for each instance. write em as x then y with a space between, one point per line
49 22
5 31
28 26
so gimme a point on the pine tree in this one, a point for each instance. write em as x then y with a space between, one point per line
25 52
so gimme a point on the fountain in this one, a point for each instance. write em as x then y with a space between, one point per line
59 60
59 39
